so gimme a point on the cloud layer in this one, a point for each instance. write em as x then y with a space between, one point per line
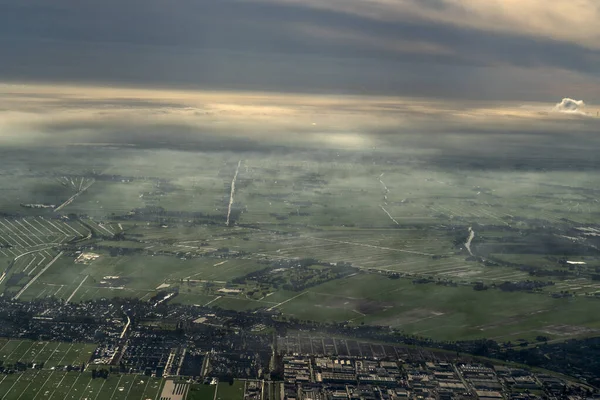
526 50
63 114
574 21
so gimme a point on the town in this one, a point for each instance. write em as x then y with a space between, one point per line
191 351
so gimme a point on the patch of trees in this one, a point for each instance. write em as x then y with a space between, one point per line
423 281
300 213
535 244
100 373
460 240
561 273
278 217
562 294
523 286
297 275
531 270
160 215
120 251
573 357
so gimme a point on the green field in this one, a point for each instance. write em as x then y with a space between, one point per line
55 384
48 354
49 380
201 392
445 313
225 391
48 384
157 221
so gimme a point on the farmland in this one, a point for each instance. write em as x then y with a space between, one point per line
47 377
48 354
49 384
372 240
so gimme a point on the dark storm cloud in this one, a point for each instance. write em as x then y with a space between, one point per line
276 46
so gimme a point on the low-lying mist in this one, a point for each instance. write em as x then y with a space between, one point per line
472 134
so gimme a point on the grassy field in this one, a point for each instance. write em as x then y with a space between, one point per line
52 382
48 384
225 391
201 392
446 313
55 384
50 354
143 274
158 220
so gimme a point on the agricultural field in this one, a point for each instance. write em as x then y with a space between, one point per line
226 391
442 312
55 384
201 391
43 353
47 379
324 236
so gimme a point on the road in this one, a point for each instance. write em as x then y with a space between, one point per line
76 289
285 301
372 246
37 276
70 199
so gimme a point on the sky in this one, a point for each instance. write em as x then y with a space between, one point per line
341 72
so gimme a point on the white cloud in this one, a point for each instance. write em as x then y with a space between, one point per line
570 106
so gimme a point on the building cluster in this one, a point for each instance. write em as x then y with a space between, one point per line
254 390
309 377
181 341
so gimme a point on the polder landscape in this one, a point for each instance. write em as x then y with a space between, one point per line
300 200
140 272
453 253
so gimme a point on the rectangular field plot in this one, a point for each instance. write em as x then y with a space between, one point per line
9 346
576 286
18 351
138 276
225 391
59 385
70 354
30 386
48 354
106 197
13 385
23 235
201 392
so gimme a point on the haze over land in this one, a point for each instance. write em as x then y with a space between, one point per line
267 73
430 166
